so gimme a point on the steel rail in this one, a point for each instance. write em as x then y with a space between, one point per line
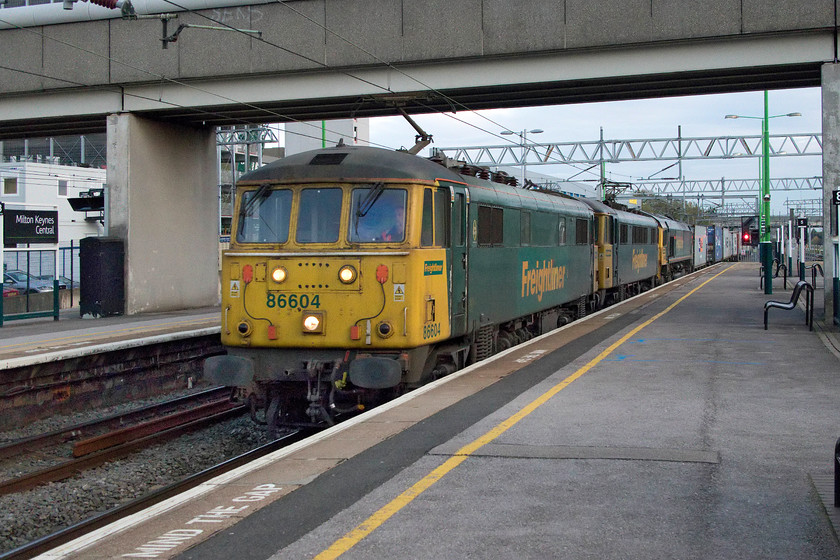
85 429
63 536
72 467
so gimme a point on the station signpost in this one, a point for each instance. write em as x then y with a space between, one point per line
802 225
30 226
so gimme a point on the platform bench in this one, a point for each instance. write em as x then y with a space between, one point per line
794 299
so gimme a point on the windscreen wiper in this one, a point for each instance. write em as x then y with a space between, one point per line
260 193
370 199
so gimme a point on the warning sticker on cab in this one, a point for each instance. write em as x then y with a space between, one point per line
234 288
399 292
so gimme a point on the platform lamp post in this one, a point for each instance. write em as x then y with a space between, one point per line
523 135
765 246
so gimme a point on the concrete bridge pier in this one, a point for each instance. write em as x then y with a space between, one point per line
831 178
163 201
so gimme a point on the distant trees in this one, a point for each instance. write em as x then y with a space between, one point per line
673 207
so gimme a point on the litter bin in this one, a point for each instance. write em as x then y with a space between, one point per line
102 273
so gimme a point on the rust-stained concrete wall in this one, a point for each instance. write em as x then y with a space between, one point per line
163 200
396 31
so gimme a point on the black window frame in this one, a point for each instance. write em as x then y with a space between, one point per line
581 231
490 226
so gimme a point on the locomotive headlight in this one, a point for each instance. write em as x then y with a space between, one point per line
347 274
279 274
313 322
244 328
384 329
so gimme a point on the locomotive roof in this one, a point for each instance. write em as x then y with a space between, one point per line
624 216
671 223
360 163
351 163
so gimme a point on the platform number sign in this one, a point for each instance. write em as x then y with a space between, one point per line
835 197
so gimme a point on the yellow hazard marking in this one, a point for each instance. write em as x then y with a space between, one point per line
365 528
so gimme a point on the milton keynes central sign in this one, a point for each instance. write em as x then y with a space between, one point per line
30 226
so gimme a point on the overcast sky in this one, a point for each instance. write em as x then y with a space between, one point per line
699 116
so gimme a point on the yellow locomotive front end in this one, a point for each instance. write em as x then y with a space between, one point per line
331 296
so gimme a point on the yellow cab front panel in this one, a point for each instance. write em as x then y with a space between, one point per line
362 290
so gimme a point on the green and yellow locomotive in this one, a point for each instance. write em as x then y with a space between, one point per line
357 273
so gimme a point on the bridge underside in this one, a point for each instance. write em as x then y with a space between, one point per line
452 100
551 79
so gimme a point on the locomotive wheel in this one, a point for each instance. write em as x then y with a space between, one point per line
252 404
272 417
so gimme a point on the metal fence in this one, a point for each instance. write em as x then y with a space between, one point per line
64 266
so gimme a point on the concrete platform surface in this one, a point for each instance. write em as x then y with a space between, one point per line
691 433
673 426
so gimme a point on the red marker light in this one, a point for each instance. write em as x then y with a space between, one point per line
381 273
247 273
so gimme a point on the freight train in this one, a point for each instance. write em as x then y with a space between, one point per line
355 274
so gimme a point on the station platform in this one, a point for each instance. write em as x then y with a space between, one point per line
671 425
29 341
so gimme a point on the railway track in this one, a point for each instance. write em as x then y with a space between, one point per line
118 435
62 536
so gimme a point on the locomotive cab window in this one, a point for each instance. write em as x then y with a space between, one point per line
459 229
377 215
436 218
319 213
264 216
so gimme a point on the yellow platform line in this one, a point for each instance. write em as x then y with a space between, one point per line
369 525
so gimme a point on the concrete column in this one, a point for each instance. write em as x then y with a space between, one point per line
831 176
164 203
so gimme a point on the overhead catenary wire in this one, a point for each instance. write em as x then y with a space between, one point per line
451 100
161 77
290 51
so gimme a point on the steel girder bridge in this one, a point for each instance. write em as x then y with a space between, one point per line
599 152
